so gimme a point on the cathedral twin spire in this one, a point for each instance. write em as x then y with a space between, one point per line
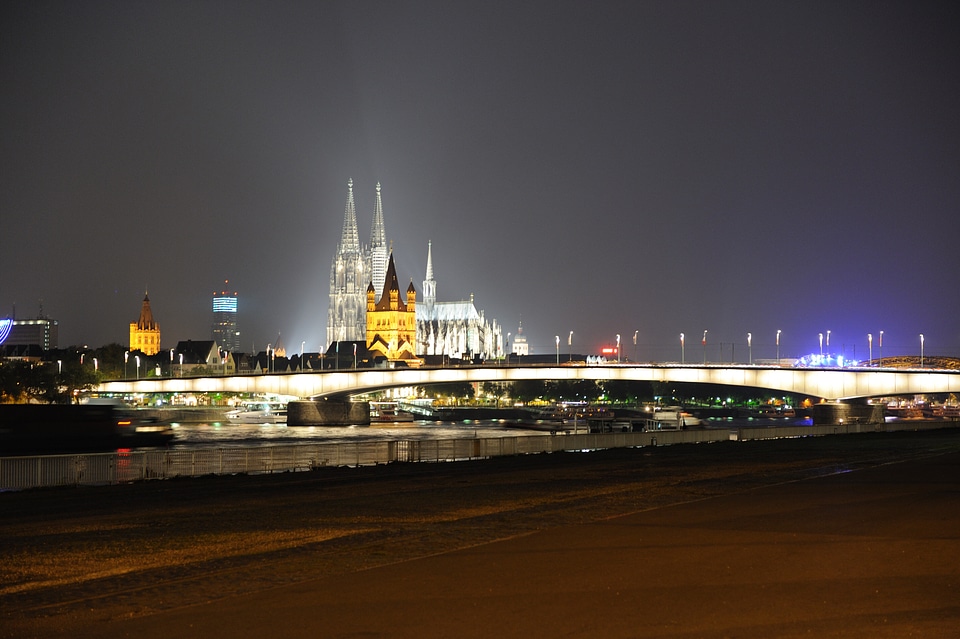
354 267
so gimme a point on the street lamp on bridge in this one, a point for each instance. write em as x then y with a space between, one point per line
921 350
881 349
570 346
557 339
778 347
704 341
750 347
682 354
870 346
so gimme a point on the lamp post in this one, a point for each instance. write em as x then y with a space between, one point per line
181 364
870 346
618 348
137 357
635 333
302 344
570 345
778 347
828 342
96 365
171 362
557 340
508 348
59 367
354 355
921 350
881 349
750 347
704 340
126 358
821 349
682 354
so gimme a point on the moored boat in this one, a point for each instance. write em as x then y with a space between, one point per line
388 412
259 412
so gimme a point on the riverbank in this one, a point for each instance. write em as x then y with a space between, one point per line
74 562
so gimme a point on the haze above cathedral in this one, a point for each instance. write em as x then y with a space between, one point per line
649 168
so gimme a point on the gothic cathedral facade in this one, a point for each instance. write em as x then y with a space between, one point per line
354 268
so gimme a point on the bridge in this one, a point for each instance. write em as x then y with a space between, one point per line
832 384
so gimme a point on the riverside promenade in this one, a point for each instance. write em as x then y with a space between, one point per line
831 542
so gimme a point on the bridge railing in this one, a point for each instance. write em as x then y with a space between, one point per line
22 473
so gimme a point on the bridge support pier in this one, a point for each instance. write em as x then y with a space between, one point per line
327 412
847 413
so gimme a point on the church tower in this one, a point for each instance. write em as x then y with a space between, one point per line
392 321
429 284
145 332
378 246
349 275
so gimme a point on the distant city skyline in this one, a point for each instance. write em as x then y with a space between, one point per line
655 168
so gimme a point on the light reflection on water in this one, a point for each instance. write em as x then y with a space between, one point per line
219 434
224 434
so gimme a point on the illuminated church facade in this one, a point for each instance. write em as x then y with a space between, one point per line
359 273
354 267
145 332
392 320
456 329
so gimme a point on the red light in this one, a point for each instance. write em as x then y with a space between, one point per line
608 350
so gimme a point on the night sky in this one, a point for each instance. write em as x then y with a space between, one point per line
601 168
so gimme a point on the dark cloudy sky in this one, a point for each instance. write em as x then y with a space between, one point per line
602 168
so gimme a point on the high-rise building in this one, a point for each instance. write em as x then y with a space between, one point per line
225 330
145 332
43 332
354 267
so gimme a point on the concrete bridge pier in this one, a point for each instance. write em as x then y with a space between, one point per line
858 412
327 412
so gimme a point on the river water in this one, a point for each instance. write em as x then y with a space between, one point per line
223 434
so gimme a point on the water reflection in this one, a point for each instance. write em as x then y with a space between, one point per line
220 434
224 434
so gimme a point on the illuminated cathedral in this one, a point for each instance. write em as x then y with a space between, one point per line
359 273
455 329
354 267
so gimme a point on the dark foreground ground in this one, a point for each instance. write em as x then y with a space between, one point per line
846 536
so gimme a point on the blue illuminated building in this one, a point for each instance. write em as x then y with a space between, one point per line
225 330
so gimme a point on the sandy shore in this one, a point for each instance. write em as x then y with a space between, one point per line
73 560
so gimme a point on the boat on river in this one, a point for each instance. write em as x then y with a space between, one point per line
259 412
388 412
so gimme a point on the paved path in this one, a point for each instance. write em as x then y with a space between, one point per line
871 553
